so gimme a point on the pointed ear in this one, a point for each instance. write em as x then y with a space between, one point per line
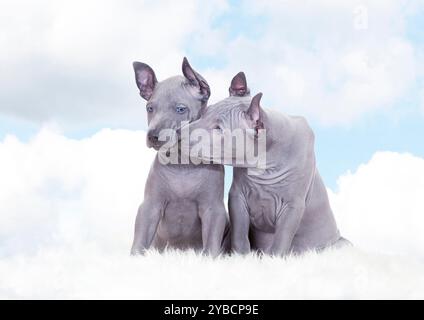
238 85
196 80
255 110
145 78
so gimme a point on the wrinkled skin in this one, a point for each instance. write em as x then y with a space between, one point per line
284 208
183 203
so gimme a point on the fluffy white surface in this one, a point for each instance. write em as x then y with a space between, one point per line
90 273
66 221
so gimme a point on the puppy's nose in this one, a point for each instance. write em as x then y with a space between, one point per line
153 136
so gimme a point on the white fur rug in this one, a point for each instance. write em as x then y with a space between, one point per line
347 273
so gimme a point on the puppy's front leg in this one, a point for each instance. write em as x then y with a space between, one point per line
146 223
214 221
240 223
286 227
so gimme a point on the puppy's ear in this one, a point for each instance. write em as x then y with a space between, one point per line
196 80
255 111
145 79
238 86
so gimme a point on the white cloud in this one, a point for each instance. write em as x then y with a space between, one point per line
71 61
67 210
59 192
312 59
380 207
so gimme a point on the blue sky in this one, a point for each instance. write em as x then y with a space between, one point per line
282 46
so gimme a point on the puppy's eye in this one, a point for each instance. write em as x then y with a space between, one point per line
149 109
218 127
180 109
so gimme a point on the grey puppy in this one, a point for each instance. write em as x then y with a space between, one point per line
183 203
284 208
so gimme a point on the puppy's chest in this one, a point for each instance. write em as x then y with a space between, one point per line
264 206
184 184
